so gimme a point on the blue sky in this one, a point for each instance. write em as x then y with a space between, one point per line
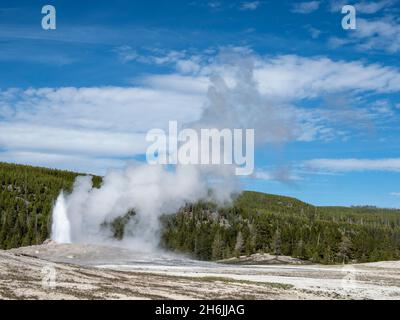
82 96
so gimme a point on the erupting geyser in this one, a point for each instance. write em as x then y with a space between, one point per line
60 228
86 215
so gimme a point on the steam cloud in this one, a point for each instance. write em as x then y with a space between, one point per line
149 190
153 190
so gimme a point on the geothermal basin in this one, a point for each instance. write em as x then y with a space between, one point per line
108 272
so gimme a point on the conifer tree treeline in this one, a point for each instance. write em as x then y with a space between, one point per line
273 224
27 195
255 222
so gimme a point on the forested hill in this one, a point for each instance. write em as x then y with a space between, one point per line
259 222
256 222
27 195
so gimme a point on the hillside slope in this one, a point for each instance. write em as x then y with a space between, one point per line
255 222
258 222
27 195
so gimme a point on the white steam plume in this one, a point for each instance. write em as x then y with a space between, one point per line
235 101
155 190
61 229
149 190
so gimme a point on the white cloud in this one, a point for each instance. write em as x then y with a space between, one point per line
305 7
371 7
383 33
93 123
348 165
76 163
295 77
21 136
183 62
187 66
282 174
373 34
395 194
169 57
126 53
196 85
382 107
314 32
290 77
117 109
214 4
366 7
336 42
110 122
227 5
250 5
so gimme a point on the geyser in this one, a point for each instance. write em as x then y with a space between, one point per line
85 215
60 228
153 190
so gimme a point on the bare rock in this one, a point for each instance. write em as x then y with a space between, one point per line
49 242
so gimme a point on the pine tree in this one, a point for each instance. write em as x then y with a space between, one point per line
344 249
217 247
276 242
238 244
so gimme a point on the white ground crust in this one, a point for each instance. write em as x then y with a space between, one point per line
94 272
